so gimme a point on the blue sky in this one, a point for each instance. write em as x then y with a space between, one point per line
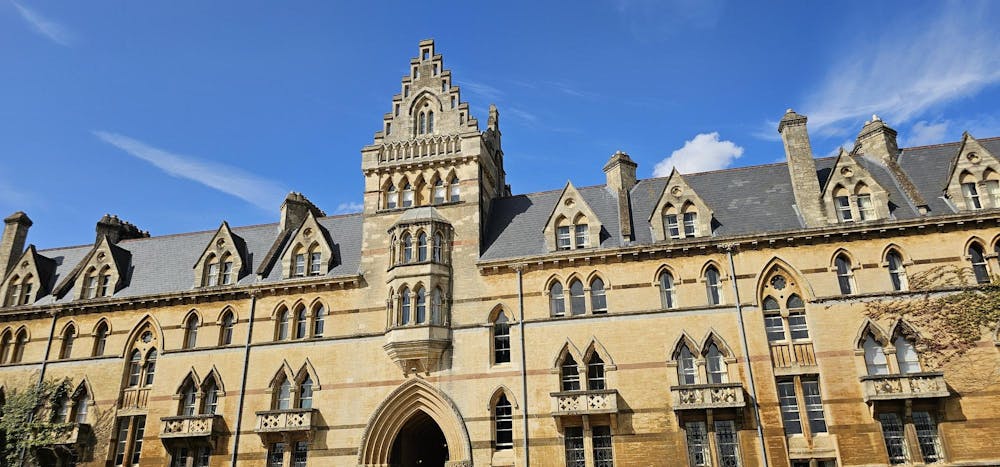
117 107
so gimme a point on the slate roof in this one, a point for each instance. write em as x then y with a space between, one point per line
744 200
165 264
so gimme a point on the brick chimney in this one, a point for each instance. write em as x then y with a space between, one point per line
620 174
295 209
802 168
15 233
117 230
878 140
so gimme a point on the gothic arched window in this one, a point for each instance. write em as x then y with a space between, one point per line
598 299
844 275
713 286
570 374
978 261
897 273
422 247
667 290
557 302
421 306
577 299
69 335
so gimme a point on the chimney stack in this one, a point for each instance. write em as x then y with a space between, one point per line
878 140
295 209
15 233
117 230
802 168
620 174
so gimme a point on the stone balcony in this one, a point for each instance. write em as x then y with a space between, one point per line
708 396
133 400
417 349
904 386
188 426
592 402
287 421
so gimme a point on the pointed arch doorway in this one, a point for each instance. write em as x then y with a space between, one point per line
416 425
419 443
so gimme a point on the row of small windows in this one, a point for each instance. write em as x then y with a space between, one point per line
971 191
896 269
300 322
407 195
578 298
410 306
415 250
573 235
19 290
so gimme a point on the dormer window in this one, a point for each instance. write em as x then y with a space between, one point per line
227 272
671 226
866 210
563 238
315 262
574 235
90 285
683 224
971 194
19 291
213 273
300 265
843 205
581 235
690 218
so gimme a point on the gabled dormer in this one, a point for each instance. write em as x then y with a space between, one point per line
974 177
29 279
680 213
224 260
572 223
851 193
102 272
309 251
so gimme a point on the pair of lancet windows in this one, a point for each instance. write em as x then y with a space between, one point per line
219 270
572 235
97 283
419 249
688 372
12 346
203 400
681 223
141 370
19 290
785 322
293 393
571 379
578 298
72 408
877 361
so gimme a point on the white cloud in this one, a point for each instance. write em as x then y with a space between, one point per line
702 153
258 191
912 67
481 90
349 207
52 30
847 145
923 133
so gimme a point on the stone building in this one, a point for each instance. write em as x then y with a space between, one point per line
700 319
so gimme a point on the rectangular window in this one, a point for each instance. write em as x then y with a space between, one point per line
689 223
90 289
727 445
797 326
603 454
993 189
439 193
697 445
276 455
300 453
203 456
105 289
501 342
895 440
180 457
927 437
504 427
300 265
315 263
575 455
227 273
671 227
122 441
595 375
213 274
582 240
814 405
407 198
774 327
139 431
789 408
563 240
866 210
570 377
843 205
971 196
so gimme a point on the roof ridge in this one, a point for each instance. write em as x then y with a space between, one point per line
939 145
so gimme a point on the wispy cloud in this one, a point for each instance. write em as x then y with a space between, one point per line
524 115
912 67
349 207
924 132
702 153
52 30
481 90
261 192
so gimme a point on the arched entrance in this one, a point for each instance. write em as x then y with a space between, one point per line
420 443
416 425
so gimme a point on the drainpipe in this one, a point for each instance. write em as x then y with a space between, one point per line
746 351
524 363
243 381
41 377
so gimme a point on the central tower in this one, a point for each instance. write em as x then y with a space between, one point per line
431 177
